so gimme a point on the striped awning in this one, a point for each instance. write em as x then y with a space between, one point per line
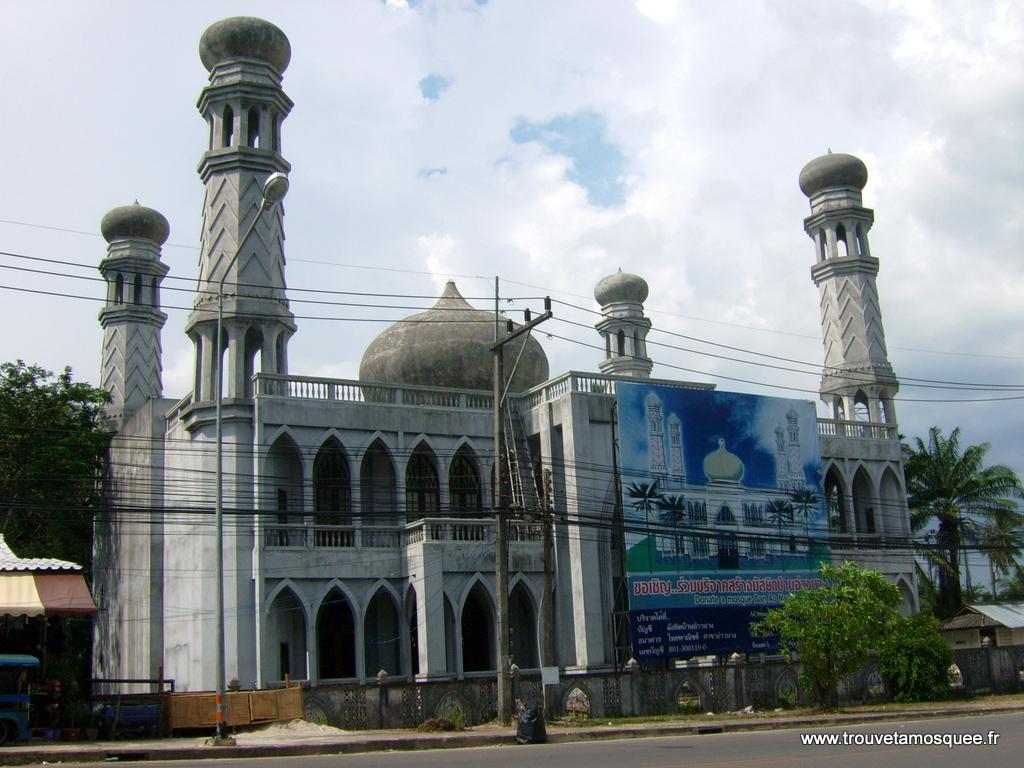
50 594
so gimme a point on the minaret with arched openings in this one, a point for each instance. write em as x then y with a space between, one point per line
861 455
857 381
130 368
244 107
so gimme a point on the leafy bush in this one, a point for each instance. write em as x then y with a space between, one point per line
915 659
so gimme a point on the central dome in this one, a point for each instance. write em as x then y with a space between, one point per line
722 466
449 346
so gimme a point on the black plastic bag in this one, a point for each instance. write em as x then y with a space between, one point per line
530 729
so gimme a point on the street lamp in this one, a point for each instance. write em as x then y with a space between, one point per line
274 190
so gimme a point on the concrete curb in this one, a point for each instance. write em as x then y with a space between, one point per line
373 743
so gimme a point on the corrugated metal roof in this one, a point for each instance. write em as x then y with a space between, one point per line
11 562
1010 615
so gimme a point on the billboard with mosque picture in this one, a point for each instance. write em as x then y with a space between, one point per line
724 514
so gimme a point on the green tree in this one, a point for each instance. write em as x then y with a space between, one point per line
780 512
956 489
53 452
915 658
832 628
1000 539
1012 587
645 497
672 510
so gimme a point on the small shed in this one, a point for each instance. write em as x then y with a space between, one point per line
1000 623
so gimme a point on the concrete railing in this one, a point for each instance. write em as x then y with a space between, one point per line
863 430
429 529
344 390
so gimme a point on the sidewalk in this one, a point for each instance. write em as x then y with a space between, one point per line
300 738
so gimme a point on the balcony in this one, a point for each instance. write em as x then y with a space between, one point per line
431 529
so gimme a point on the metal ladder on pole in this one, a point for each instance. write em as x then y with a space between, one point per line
523 484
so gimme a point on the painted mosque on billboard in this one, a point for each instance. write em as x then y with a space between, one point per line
360 533
721 516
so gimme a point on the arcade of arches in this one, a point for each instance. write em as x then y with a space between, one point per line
352 642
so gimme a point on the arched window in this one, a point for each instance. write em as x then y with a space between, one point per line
477 631
464 483
332 486
137 289
154 293
620 345
286 629
283 483
863 502
636 344
253 127
861 412
377 487
725 516
835 501
422 490
382 632
861 249
822 244
253 350
841 247
119 289
227 126
522 628
336 636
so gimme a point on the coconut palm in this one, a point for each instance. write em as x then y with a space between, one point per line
956 489
1001 541
672 511
779 511
1012 587
645 497
805 502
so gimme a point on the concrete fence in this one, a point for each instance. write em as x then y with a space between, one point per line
695 687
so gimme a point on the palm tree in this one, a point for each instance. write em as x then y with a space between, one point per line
804 501
1013 586
956 489
672 512
779 511
645 498
1000 540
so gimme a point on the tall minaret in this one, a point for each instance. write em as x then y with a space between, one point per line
244 107
857 370
623 325
130 367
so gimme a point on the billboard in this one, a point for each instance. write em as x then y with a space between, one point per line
724 514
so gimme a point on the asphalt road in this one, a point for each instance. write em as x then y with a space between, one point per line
772 749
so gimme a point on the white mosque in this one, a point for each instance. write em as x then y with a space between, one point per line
359 533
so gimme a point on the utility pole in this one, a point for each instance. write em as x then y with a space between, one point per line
548 598
500 513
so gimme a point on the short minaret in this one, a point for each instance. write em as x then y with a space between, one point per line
857 380
244 106
623 325
130 369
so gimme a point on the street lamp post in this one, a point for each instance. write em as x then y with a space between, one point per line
274 190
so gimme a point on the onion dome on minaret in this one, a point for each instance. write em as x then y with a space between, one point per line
244 37
623 325
131 366
449 346
135 221
833 170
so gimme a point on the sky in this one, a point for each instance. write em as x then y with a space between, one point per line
550 144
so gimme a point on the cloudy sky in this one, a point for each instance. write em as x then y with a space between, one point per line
551 143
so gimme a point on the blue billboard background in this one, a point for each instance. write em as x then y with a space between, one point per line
724 514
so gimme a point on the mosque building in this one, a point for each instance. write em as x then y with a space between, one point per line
359 531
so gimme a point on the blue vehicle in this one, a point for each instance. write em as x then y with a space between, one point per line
14 696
